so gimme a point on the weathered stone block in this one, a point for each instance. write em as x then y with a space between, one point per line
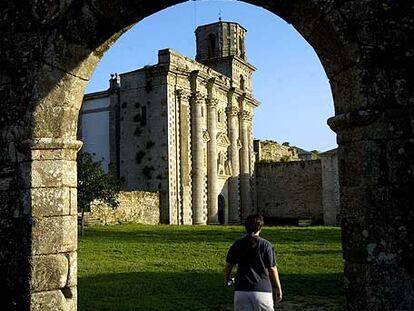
47 148
71 296
54 154
382 202
49 272
371 125
73 201
400 160
66 104
377 287
54 235
347 90
48 301
49 201
376 36
49 173
57 300
362 163
379 241
73 269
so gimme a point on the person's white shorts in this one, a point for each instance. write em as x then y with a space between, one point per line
253 301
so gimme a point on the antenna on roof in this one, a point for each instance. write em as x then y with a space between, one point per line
220 15
195 13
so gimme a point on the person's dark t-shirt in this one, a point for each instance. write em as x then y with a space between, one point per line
252 264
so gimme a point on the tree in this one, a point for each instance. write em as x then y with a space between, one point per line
94 184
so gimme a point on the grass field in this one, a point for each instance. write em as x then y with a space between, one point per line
163 268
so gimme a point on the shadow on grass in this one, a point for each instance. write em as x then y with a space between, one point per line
153 291
186 234
327 252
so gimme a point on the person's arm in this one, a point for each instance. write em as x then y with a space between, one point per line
274 278
227 273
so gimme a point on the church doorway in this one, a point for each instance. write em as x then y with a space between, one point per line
43 89
221 209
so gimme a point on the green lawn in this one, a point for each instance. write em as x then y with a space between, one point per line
149 268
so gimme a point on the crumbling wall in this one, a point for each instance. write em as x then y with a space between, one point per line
290 190
271 151
366 48
134 207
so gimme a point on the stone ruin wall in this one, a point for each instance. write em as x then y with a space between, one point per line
330 188
366 48
134 207
290 190
271 151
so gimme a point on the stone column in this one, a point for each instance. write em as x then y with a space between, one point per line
376 178
245 189
185 157
198 185
114 125
233 182
212 178
50 179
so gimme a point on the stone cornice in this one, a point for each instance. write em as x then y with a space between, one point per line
353 119
48 143
48 148
241 98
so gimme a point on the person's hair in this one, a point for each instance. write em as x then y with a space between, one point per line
253 224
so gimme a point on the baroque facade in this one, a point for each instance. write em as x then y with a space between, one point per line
183 128
366 48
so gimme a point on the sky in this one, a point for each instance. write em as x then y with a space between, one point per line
290 82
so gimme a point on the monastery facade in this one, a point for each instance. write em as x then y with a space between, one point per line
182 128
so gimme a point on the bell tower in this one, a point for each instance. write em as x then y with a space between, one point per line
221 46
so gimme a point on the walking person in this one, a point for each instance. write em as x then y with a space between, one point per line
257 284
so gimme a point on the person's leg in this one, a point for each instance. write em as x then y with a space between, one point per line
262 301
242 302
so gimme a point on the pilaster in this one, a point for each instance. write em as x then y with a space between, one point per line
233 183
114 125
198 171
212 178
245 118
185 157
50 197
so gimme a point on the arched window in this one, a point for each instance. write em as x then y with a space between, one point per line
211 45
241 48
241 82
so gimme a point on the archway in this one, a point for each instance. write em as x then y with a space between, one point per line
47 56
221 209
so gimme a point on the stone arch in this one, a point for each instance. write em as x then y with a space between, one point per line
47 57
241 82
221 209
